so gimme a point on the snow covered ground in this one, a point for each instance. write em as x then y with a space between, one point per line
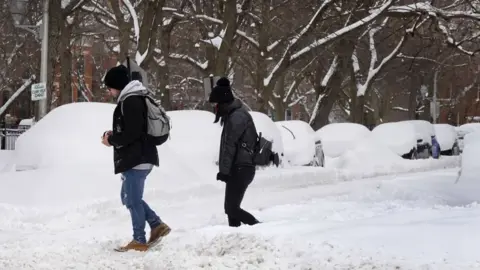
5 156
413 221
369 209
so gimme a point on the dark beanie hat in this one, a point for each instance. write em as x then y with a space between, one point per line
117 77
222 92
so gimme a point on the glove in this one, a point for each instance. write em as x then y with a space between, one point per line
222 177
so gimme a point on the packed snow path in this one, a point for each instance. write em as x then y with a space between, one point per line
414 221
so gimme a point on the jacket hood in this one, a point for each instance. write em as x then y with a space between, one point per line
134 88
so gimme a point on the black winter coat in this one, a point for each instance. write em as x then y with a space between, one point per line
129 140
238 128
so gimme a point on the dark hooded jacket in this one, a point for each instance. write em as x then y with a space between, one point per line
129 140
239 135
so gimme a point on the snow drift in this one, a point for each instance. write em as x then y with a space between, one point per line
470 168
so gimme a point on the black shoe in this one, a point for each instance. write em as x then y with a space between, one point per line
232 222
255 222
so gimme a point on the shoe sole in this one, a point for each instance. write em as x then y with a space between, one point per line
121 249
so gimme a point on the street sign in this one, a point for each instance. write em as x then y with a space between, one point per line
208 84
137 72
39 91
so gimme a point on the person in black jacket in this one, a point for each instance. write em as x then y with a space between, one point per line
134 155
236 167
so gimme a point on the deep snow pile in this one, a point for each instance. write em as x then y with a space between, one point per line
338 137
470 168
298 139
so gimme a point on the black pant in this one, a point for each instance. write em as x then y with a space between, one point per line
241 178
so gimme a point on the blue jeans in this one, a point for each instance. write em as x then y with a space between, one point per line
133 183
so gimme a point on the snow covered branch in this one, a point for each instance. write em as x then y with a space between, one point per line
16 94
374 69
293 42
324 84
427 8
461 9
341 32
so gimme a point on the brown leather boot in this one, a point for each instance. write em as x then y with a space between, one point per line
133 245
157 233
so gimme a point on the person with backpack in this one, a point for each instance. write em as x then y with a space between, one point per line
236 163
135 153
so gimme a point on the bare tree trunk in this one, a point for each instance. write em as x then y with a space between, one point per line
279 104
65 63
55 24
412 97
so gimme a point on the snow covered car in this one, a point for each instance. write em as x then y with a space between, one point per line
270 131
399 137
447 138
425 133
301 148
337 138
465 129
193 137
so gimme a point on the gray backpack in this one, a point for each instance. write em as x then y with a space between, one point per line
158 122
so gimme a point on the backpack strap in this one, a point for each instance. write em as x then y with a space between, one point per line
243 144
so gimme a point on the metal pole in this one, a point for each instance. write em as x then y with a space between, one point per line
434 99
42 104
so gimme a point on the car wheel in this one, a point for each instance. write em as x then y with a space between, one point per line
455 150
425 153
414 154
322 160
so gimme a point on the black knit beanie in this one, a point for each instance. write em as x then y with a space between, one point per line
117 77
222 92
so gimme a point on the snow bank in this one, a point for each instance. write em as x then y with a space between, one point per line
446 135
338 137
397 136
269 130
470 168
298 139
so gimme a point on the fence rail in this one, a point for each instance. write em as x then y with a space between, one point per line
9 136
